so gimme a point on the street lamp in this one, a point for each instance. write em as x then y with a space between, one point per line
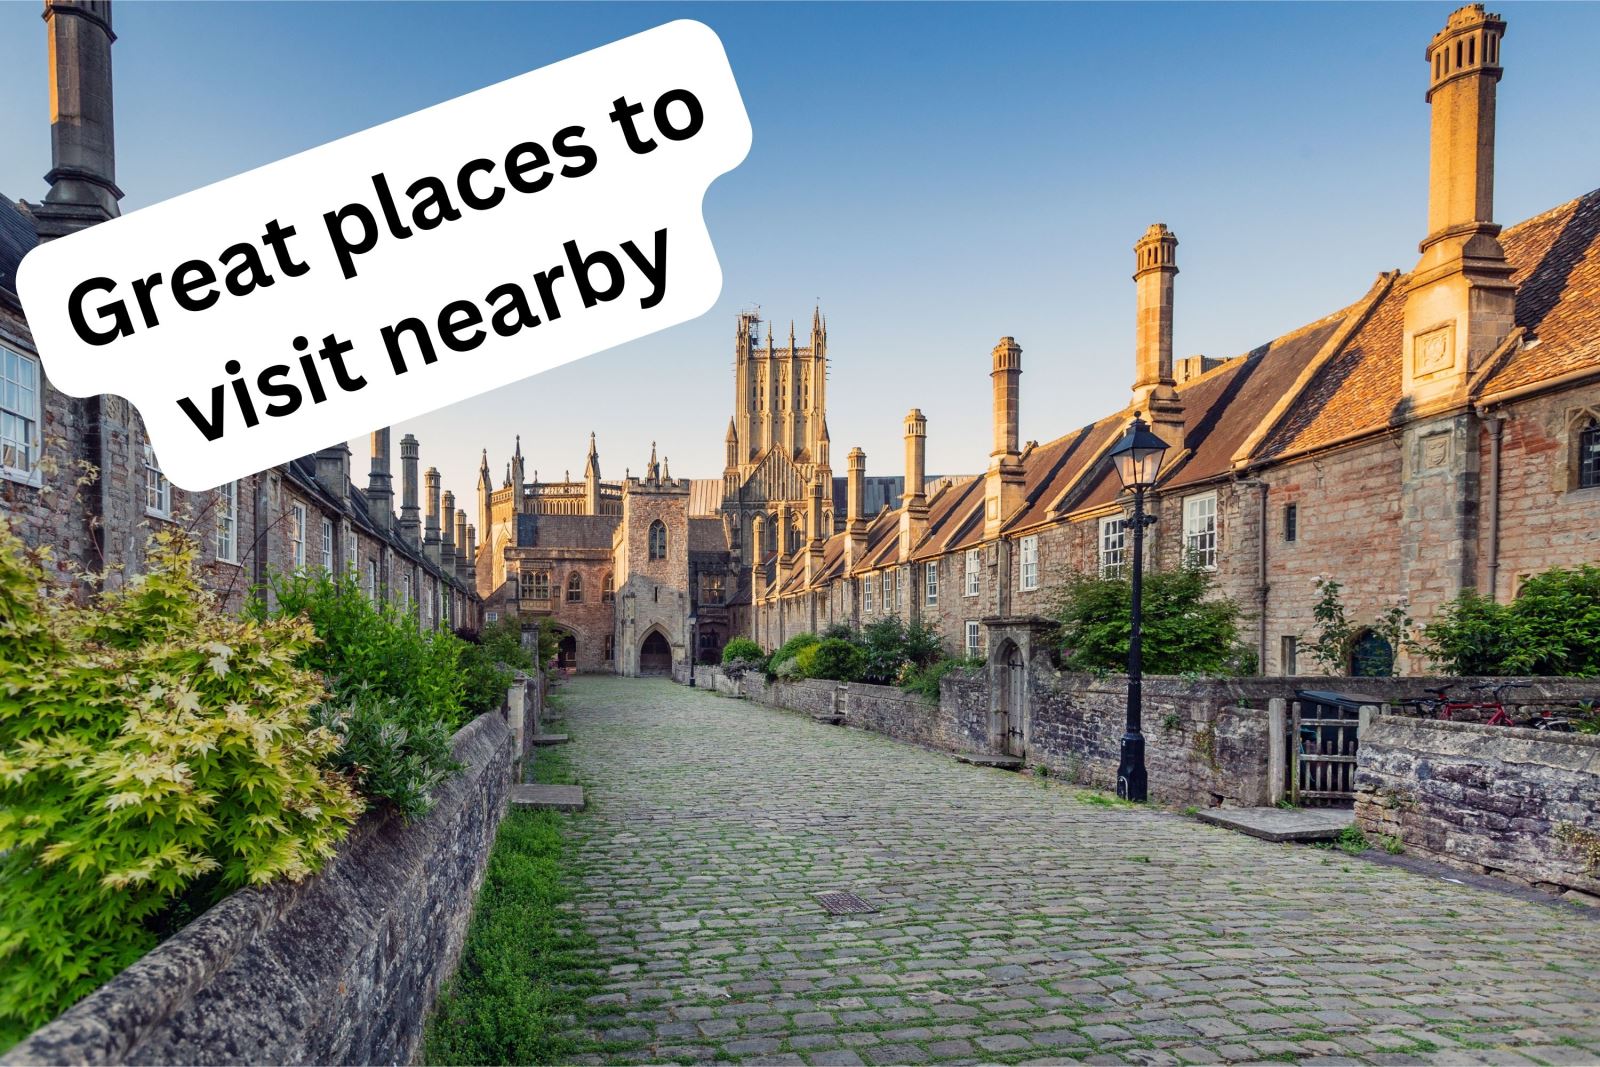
1137 459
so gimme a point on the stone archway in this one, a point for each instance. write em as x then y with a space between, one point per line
655 654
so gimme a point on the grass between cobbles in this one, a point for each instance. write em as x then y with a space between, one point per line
527 966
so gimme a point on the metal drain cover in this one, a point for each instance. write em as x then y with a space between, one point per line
840 903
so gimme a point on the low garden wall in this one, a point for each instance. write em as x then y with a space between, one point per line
1201 747
340 968
1494 800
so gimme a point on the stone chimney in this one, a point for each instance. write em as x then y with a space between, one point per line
472 554
1460 302
333 471
430 524
380 483
1155 269
914 506
447 533
855 545
409 531
463 557
1002 490
83 158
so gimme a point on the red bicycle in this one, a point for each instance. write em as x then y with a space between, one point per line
1443 706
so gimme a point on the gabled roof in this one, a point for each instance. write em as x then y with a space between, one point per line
17 239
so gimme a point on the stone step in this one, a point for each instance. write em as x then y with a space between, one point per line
548 739
547 797
987 759
1282 824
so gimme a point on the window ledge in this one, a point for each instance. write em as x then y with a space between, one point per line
33 479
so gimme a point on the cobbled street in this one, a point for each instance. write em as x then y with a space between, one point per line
1017 921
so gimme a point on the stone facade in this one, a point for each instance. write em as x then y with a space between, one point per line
77 474
1493 800
1439 433
340 968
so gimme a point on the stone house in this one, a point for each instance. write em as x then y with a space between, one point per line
78 474
1439 433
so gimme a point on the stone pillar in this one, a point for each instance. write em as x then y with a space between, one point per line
409 531
83 172
380 483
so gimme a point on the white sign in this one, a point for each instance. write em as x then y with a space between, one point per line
406 267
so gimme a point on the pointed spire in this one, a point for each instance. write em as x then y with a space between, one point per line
825 436
733 434
791 335
592 451
591 466
816 319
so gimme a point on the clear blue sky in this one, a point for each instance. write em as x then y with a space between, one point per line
937 175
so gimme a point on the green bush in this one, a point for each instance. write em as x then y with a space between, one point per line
742 651
150 746
1187 629
393 750
832 658
489 665
924 681
396 690
893 648
787 652
371 645
1551 629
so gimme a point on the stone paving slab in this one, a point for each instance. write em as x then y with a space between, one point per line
548 739
1019 920
1282 824
551 797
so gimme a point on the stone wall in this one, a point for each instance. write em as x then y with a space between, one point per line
341 968
1485 798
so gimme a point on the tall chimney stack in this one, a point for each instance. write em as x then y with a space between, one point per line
1155 269
914 505
1460 302
463 559
447 533
380 483
409 531
83 158
430 524
1004 482
814 534
855 545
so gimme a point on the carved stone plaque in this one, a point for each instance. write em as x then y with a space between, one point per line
1433 352
1435 450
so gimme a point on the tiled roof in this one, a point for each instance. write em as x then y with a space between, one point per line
566 531
707 534
17 238
705 497
1557 256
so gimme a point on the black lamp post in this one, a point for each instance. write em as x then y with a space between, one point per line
1137 459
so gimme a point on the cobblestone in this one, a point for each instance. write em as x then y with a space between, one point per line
1014 920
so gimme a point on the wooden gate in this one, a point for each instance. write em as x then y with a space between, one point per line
1323 737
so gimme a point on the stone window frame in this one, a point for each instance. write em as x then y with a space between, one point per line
372 580
21 416
1113 545
227 539
866 595
1200 538
1028 566
405 594
299 515
658 545
327 544
1583 431
974 639
930 584
1291 522
974 573
157 490
575 586
608 589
